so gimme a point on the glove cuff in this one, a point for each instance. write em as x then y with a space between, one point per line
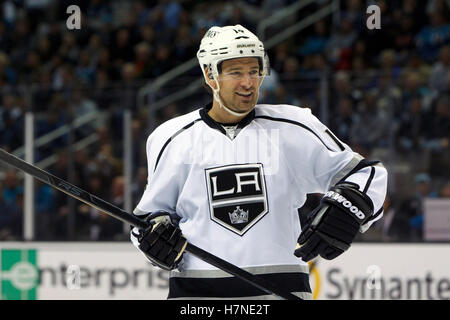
348 197
162 242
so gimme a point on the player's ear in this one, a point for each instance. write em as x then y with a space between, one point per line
209 78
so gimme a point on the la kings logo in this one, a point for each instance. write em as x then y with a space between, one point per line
237 196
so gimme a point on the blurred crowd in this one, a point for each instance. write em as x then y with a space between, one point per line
388 94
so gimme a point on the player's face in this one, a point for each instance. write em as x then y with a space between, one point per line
239 83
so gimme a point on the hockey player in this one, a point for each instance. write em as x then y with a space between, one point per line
229 178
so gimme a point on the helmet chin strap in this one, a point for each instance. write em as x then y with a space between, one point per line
219 100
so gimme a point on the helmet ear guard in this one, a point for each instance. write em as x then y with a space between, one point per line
266 65
210 74
230 42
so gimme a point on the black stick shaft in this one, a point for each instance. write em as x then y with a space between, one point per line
133 220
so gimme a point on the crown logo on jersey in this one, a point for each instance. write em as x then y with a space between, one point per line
238 216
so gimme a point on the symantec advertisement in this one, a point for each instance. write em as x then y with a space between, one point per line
384 271
107 271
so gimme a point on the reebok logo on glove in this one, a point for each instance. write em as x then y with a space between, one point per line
347 204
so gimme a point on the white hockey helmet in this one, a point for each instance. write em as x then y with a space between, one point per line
230 42
223 43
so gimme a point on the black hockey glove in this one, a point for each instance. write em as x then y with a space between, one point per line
161 241
331 227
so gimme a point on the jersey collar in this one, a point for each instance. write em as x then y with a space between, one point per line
218 126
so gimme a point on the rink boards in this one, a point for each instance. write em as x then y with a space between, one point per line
68 270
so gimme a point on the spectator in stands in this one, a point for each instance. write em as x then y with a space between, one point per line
418 64
126 98
354 12
139 183
5 40
169 112
106 163
30 69
280 54
412 208
12 189
361 61
7 74
316 42
102 93
386 226
268 87
142 12
171 13
55 116
410 127
281 96
12 122
10 218
44 209
342 89
84 70
81 164
291 71
437 128
98 12
139 132
434 35
389 95
389 64
110 228
163 56
81 103
105 63
441 71
58 220
345 119
417 10
184 48
143 60
373 123
121 52
404 38
42 94
69 48
444 192
44 199
91 218
45 49
63 78
237 16
21 39
146 34
339 46
413 87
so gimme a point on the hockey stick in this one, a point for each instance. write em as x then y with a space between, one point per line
133 220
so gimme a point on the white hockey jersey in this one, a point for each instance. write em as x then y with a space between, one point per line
237 190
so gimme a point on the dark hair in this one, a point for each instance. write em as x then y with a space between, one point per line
207 87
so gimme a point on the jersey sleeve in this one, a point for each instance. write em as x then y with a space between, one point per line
163 182
333 161
372 180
